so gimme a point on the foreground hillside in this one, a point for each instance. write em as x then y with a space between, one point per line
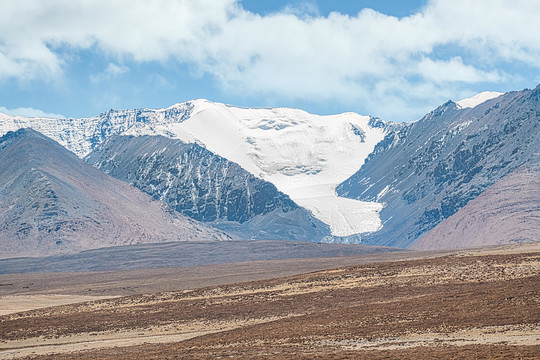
481 304
52 202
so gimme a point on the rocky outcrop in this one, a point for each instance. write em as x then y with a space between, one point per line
81 135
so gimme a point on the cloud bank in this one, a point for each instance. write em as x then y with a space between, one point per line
29 112
391 65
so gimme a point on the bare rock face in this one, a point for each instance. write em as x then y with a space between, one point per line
428 170
207 187
52 202
507 212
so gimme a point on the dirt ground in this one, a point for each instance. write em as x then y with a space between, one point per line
481 303
11 304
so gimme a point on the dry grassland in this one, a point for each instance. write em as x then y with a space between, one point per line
472 304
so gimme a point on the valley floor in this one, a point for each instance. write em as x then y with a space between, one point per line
482 304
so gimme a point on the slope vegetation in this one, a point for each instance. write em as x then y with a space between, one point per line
479 305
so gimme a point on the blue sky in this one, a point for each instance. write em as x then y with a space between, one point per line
398 60
324 7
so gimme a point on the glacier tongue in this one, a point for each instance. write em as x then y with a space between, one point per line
304 155
345 216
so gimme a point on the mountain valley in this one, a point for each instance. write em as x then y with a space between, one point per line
269 180
284 174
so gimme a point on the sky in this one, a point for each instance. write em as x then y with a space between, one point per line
393 59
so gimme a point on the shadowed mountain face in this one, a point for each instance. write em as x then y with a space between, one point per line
51 202
427 171
507 212
206 187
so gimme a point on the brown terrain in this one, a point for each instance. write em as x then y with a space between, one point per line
481 304
53 203
507 212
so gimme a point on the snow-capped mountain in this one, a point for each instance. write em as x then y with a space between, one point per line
206 187
303 155
428 170
307 156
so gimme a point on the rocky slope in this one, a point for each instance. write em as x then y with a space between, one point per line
206 187
414 175
507 212
303 155
52 202
428 170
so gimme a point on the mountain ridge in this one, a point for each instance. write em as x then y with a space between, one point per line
314 158
429 169
303 155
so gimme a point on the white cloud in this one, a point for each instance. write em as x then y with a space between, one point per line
111 71
302 9
440 71
293 54
29 112
159 81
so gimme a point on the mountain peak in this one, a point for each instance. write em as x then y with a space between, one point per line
27 132
194 102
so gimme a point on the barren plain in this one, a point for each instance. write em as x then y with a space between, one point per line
479 303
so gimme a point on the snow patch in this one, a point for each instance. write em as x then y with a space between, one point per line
383 192
478 99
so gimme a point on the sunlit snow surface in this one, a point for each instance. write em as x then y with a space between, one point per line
478 99
306 156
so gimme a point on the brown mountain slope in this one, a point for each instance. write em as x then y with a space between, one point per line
51 202
507 212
